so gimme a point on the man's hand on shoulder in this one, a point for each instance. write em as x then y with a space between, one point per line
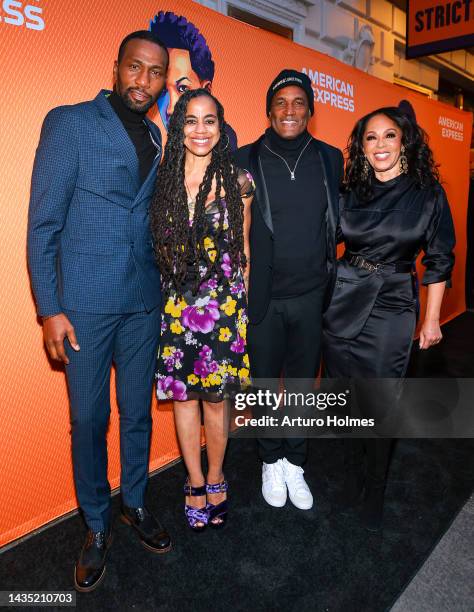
55 330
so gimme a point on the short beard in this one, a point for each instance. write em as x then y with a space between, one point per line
131 105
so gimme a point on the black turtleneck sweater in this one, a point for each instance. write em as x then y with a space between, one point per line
137 129
298 214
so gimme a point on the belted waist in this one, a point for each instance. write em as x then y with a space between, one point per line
360 262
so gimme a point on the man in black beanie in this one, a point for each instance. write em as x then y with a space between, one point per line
293 251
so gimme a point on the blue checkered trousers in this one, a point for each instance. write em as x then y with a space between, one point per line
90 256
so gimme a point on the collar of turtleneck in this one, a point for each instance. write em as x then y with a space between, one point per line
284 145
127 116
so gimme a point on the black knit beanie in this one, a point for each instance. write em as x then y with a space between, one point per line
287 78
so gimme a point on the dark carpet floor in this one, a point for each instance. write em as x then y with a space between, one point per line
272 559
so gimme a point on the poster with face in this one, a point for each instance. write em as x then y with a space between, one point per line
191 65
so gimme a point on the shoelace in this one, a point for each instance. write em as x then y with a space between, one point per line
296 477
272 471
98 537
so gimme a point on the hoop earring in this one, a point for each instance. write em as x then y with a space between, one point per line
365 169
228 141
403 161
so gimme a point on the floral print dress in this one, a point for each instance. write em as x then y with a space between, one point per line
202 351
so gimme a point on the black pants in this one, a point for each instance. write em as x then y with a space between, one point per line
380 350
373 452
287 341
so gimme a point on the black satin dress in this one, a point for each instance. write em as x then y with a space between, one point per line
370 322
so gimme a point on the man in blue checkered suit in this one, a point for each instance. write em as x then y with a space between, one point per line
97 287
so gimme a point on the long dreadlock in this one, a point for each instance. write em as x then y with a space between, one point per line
179 246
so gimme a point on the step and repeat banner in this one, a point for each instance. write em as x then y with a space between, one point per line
56 52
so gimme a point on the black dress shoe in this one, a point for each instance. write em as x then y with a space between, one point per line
90 568
152 534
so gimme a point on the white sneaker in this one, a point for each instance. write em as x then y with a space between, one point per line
299 492
273 484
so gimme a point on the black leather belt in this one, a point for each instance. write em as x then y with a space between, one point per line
360 262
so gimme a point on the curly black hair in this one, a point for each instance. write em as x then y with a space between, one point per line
421 165
179 246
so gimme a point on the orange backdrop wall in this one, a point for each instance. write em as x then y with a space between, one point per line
69 60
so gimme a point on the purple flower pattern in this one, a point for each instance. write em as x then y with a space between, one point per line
238 346
171 388
201 318
226 265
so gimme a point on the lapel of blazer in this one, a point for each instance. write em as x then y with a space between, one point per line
118 135
261 191
149 182
332 197
156 137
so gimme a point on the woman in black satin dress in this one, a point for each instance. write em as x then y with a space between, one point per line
393 208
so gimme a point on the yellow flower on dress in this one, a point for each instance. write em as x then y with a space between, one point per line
167 351
222 369
243 373
176 327
229 306
242 329
213 293
215 379
232 371
193 379
210 248
225 334
205 382
245 361
175 309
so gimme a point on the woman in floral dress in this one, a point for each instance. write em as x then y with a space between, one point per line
200 219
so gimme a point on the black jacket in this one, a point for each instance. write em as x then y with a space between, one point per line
261 231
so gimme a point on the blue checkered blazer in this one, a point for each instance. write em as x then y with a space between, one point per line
89 242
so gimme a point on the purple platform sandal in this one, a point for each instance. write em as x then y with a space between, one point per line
197 517
217 514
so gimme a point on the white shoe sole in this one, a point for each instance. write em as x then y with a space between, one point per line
302 506
275 503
